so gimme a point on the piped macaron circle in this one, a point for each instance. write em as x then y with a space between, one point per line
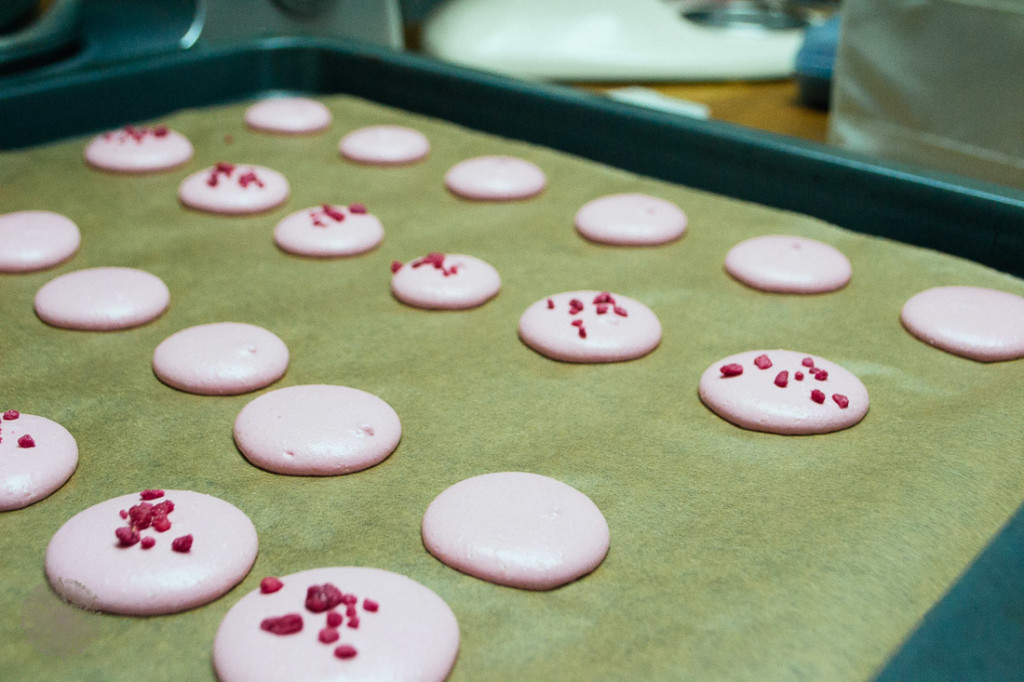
337 623
317 430
36 240
138 149
783 392
329 231
973 322
440 281
234 189
518 529
288 116
150 553
495 178
788 265
37 457
222 358
384 145
590 326
632 219
102 299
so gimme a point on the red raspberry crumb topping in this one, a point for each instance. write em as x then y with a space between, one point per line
731 370
357 208
619 310
582 332
396 266
151 494
287 624
353 622
817 396
370 605
807 362
602 308
319 598
11 414
551 304
270 584
328 635
182 544
123 513
822 375
762 361
334 619
26 441
841 400
349 600
127 536
345 651
782 379
147 542
799 376
575 306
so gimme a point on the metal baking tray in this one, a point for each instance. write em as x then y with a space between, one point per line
977 630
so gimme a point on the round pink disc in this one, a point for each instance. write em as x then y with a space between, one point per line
206 548
223 358
495 178
630 220
972 322
384 145
234 189
788 265
389 627
138 150
102 299
781 391
516 529
317 430
590 326
329 230
36 240
288 115
37 456
440 281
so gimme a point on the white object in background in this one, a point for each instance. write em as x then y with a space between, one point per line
652 99
603 40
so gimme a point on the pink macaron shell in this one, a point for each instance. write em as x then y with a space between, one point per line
234 191
317 430
495 178
315 233
288 115
548 327
517 529
384 145
140 149
87 565
788 265
36 240
412 635
630 220
223 358
459 283
973 322
102 299
29 474
753 400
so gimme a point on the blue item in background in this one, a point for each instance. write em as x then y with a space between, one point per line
815 61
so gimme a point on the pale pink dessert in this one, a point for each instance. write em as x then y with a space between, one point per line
972 322
223 358
630 220
234 189
329 230
288 115
784 392
138 149
440 281
384 145
36 240
340 623
37 456
590 326
517 529
788 265
102 299
151 553
495 178
317 430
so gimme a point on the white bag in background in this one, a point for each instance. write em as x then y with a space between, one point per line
934 83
